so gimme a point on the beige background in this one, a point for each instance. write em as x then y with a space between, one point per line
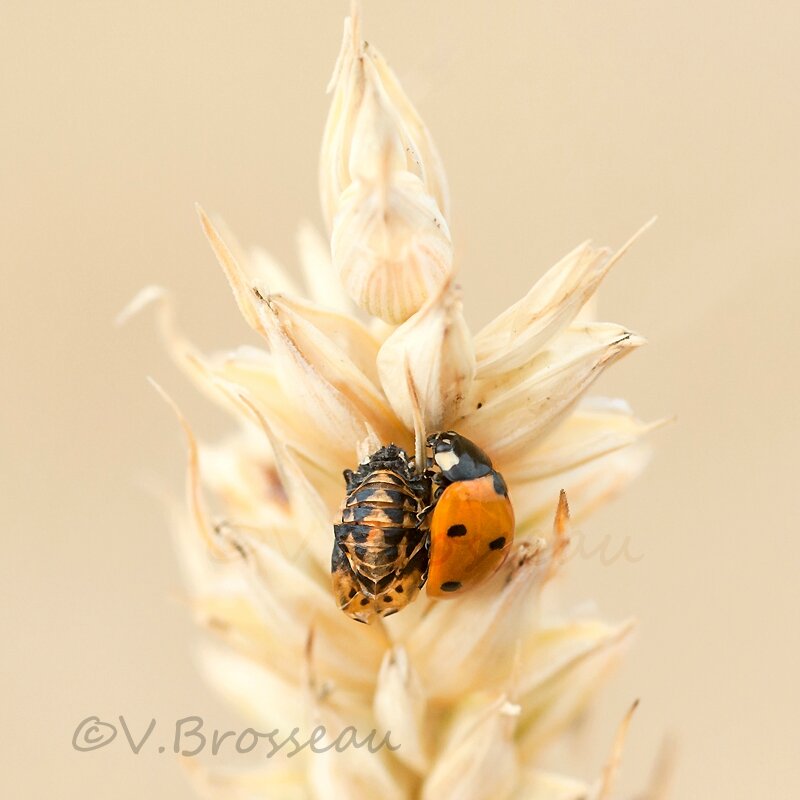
557 122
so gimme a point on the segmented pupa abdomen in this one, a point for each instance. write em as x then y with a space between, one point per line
379 557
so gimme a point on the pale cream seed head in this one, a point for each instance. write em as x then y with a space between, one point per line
473 689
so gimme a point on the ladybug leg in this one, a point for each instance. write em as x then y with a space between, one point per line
421 485
424 577
425 510
431 471
422 543
437 493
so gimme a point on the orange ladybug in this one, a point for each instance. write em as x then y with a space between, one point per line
472 524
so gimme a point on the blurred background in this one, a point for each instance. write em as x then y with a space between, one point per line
557 122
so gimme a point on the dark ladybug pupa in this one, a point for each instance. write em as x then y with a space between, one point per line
379 560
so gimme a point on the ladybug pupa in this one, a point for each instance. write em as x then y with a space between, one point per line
379 560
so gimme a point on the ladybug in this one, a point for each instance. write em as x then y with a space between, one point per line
380 557
472 524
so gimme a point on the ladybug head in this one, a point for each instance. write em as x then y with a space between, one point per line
457 457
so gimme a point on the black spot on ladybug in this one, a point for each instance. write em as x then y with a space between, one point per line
450 586
499 484
364 601
387 598
399 588
457 530
497 544
480 405
352 594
